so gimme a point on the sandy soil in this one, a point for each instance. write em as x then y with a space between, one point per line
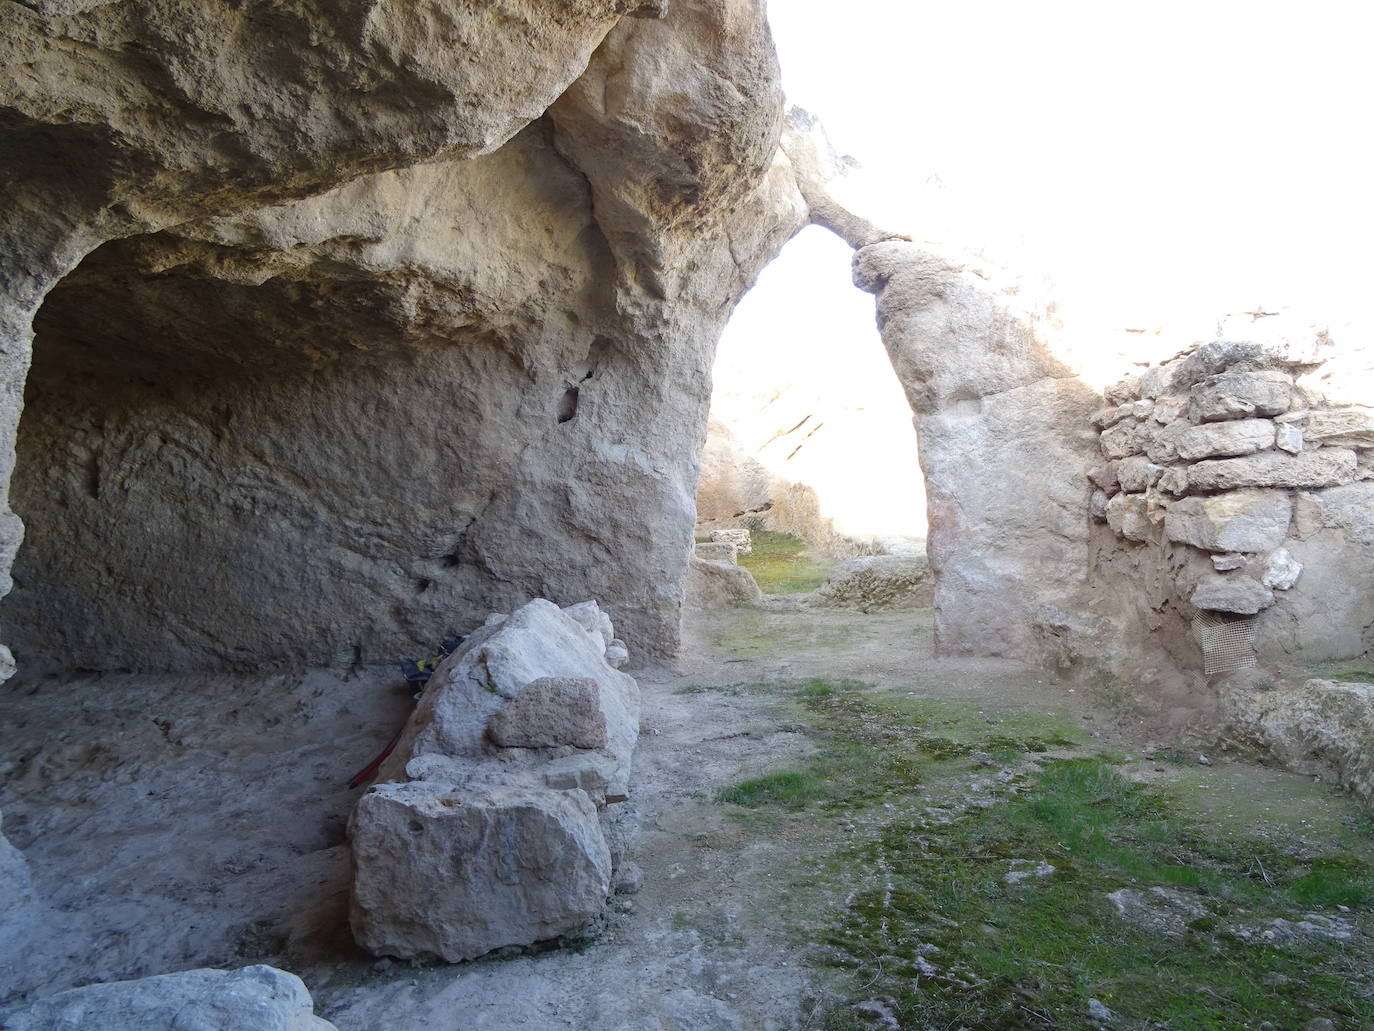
179 822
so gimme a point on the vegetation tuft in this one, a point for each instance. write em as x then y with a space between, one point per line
917 913
780 564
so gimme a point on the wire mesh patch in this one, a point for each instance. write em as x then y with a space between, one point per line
1228 642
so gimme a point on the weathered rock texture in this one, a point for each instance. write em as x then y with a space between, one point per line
348 321
257 998
1319 727
735 490
1004 445
1260 505
16 888
487 829
874 583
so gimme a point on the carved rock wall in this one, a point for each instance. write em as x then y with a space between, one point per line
299 409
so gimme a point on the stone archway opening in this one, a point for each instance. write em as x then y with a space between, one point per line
811 445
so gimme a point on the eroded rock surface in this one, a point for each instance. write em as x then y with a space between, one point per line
873 583
488 828
257 998
335 364
1319 727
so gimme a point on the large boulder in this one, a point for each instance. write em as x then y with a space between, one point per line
452 873
257 998
497 663
1319 727
718 585
487 829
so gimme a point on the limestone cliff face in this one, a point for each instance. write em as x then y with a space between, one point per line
353 324
1004 450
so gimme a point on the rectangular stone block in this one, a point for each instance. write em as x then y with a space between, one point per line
1239 521
718 551
1327 467
1225 439
1341 427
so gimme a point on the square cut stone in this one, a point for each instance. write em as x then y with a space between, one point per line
1242 520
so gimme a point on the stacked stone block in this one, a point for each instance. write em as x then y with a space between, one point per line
1211 451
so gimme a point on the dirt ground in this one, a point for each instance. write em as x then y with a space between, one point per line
179 822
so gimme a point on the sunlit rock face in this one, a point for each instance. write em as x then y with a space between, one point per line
1004 448
335 426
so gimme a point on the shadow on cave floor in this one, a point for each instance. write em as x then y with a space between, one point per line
809 789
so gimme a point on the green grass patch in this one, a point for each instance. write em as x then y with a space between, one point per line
913 909
934 929
781 566
1354 676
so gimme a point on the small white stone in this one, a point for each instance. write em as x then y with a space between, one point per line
1289 437
1282 570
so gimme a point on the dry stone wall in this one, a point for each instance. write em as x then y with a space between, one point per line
1232 483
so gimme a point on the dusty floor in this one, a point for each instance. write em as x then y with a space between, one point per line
181 822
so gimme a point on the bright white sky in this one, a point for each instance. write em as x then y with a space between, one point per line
1165 164
1213 153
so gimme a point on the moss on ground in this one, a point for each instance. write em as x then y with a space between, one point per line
914 914
781 565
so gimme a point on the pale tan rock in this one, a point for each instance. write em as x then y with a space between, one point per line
1161 444
726 552
1136 474
1237 593
1174 480
1097 505
449 872
1104 477
1281 570
413 361
1240 395
1328 467
1006 444
1288 437
1168 409
715 585
1318 727
550 712
1128 516
1341 427
1242 520
1221 439
876 583
1124 439
254 998
738 536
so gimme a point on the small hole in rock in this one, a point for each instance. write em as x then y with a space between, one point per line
567 407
